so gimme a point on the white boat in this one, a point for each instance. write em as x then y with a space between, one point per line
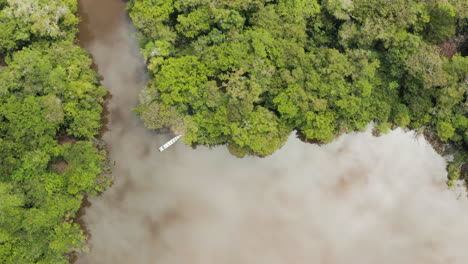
169 143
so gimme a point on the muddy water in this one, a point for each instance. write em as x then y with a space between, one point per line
360 199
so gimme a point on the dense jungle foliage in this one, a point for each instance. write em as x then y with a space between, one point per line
48 93
248 72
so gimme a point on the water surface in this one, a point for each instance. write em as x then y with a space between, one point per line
360 199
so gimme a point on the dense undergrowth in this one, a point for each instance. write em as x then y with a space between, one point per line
50 111
247 73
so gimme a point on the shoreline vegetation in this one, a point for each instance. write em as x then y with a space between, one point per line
248 73
50 114
243 73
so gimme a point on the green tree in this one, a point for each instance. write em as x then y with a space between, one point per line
261 132
445 130
222 70
46 86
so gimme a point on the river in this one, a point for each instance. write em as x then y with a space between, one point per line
360 199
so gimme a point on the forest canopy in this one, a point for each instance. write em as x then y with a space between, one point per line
50 111
247 73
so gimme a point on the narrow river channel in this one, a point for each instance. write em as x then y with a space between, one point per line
361 199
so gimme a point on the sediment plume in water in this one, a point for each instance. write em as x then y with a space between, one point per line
360 199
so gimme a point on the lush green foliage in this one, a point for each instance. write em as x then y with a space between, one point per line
25 21
46 87
247 73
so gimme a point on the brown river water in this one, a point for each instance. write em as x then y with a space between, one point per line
360 199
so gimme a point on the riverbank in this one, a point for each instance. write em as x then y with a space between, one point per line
50 109
303 203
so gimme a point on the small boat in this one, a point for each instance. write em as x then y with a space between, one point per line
169 143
